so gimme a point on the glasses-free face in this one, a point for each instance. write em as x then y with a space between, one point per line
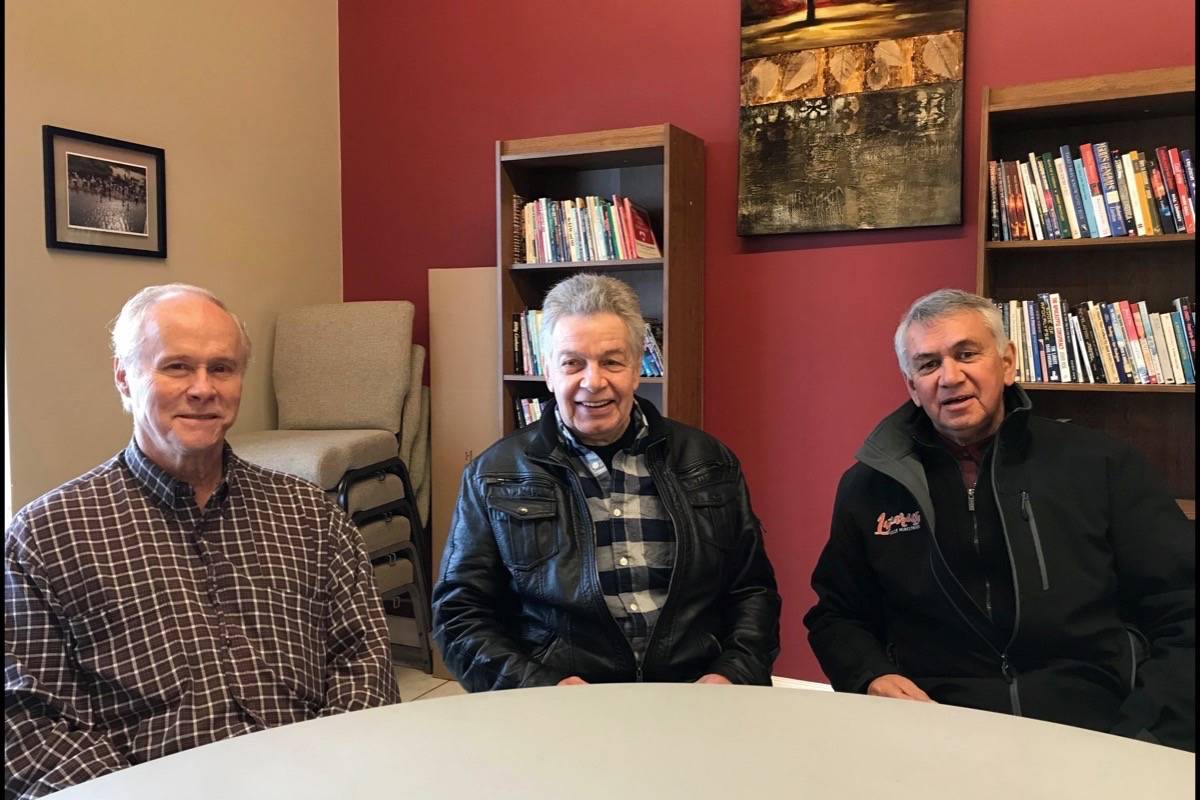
957 375
593 376
186 387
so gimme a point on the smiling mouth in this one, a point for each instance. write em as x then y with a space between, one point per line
956 401
594 404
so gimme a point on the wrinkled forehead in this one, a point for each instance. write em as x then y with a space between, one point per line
590 334
193 326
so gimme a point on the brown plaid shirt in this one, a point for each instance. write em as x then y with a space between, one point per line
137 625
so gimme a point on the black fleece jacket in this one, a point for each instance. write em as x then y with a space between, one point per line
1102 563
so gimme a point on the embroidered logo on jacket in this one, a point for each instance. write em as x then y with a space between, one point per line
899 523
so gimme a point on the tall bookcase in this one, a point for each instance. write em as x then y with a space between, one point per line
659 167
1134 111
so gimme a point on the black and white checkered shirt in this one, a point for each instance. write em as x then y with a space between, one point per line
635 540
138 625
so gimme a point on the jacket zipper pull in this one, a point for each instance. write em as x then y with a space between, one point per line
1005 669
971 499
1025 506
639 673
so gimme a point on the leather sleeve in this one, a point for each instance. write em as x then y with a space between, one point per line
468 600
845 627
1154 551
751 619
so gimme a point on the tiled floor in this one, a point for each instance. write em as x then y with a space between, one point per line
417 685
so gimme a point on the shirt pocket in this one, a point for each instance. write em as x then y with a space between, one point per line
525 522
134 650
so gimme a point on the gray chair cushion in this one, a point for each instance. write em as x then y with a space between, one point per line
383 536
318 456
369 493
392 575
343 365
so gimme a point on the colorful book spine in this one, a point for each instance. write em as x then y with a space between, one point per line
1163 160
1031 336
1108 184
997 234
1146 195
1161 198
1038 169
1073 187
1046 333
1058 197
1108 360
1029 196
1142 317
1189 172
1168 344
1111 327
1181 344
1073 216
1061 342
1085 194
1129 331
1181 186
1126 171
1171 374
1123 193
1183 306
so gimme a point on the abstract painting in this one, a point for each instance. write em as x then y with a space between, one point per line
851 115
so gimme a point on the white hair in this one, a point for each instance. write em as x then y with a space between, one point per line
944 303
586 294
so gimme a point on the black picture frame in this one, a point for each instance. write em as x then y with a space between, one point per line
104 195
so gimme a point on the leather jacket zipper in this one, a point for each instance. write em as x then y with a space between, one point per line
663 486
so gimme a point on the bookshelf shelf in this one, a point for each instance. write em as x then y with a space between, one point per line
1121 243
659 167
1128 388
1133 111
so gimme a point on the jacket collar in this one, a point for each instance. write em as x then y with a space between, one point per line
545 436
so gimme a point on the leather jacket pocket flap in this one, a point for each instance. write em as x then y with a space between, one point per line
526 528
714 506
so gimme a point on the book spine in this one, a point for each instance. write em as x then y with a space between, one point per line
994 193
1164 165
1123 193
1085 195
1189 172
1057 197
518 364
1095 362
1035 350
1064 185
1061 343
1014 335
1103 344
1161 199
1046 330
1139 334
1108 184
1126 171
1163 329
1073 188
1092 175
1181 344
1185 313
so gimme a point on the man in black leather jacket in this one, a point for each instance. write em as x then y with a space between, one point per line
984 557
604 543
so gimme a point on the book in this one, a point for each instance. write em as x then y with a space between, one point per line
1108 185
1181 345
1033 205
1161 199
1084 375
1182 305
1103 345
1127 209
1034 372
1146 195
1057 197
1126 171
1181 187
1085 195
1014 336
1092 176
1129 331
1045 319
1072 183
1060 169
1091 358
1111 327
996 234
517 356
1050 214
1142 317
1167 343
1189 172
644 243
1061 342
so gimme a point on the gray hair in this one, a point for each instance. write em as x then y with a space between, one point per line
944 303
127 328
586 294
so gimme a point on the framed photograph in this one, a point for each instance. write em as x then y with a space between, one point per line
103 194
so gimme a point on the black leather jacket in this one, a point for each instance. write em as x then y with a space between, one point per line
519 600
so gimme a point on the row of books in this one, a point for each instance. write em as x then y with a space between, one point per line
529 410
1103 192
1107 342
582 229
527 358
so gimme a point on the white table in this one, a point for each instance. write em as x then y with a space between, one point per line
661 741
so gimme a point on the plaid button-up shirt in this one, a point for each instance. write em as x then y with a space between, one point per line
138 625
635 540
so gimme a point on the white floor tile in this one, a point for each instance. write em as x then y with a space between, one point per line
447 689
413 683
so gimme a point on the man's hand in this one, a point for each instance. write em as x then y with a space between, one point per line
573 680
713 677
897 686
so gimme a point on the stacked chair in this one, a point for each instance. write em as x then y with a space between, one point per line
354 419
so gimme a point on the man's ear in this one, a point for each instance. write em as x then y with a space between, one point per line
120 377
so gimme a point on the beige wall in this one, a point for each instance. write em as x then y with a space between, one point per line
243 96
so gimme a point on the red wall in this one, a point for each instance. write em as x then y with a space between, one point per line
798 365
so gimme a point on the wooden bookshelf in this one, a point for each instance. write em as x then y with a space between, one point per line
1133 111
659 167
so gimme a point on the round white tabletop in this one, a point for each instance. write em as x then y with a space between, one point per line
661 741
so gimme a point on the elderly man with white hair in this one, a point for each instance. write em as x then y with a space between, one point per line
176 595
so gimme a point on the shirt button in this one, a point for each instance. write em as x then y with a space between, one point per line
624 561
616 512
633 606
